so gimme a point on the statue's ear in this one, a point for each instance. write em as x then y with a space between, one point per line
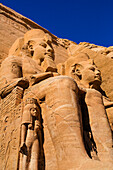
91 61
77 70
48 38
30 44
16 47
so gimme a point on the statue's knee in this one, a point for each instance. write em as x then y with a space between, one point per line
67 82
93 96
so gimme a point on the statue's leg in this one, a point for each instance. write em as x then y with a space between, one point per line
99 125
64 121
62 115
24 162
34 155
27 156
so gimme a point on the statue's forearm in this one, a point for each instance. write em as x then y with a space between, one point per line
39 77
98 121
23 133
107 102
7 88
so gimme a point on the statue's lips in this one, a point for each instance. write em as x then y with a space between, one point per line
98 77
48 54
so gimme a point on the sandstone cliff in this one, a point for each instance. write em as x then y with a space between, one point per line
50 99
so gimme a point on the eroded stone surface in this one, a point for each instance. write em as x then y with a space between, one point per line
54 111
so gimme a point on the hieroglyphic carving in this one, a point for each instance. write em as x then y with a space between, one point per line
15 24
9 103
10 117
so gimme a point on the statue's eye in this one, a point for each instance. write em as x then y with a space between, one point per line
73 69
43 45
92 68
77 70
31 46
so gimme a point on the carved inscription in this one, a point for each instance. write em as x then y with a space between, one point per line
16 25
10 118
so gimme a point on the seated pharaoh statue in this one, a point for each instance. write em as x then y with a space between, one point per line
64 121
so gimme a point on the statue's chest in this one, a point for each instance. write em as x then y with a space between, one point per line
30 67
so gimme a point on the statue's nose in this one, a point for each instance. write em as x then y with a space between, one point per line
49 49
97 72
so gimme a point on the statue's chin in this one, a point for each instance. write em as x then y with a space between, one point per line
95 84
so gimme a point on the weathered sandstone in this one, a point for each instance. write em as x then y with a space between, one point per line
56 109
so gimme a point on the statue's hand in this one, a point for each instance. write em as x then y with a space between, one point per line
30 126
23 148
55 74
37 127
23 82
107 102
10 85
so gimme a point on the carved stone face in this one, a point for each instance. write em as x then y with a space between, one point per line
40 48
34 111
90 73
86 72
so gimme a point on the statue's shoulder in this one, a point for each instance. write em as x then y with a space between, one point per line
11 59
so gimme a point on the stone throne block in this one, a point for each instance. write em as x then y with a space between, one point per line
10 121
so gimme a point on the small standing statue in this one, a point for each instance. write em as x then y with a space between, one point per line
31 139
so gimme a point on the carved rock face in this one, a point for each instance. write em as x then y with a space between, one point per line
90 73
84 71
64 130
33 111
40 49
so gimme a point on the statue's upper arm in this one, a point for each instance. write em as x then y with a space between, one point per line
11 68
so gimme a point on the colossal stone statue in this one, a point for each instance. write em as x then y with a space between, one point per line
71 106
86 74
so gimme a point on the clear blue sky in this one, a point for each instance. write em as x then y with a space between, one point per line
76 20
